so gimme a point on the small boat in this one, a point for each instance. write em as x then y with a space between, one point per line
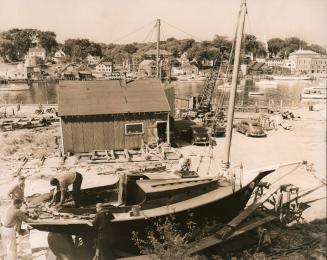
191 78
267 83
254 93
313 93
302 77
13 87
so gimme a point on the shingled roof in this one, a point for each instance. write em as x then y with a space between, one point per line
80 98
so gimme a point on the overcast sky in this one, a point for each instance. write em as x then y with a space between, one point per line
108 20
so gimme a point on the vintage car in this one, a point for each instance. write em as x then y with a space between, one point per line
250 128
198 135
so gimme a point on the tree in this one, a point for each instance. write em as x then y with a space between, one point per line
48 41
275 45
317 48
292 44
8 51
222 41
186 44
130 48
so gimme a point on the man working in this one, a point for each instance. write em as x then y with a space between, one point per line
11 223
104 232
17 192
62 182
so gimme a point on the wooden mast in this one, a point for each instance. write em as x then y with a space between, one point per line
158 47
231 105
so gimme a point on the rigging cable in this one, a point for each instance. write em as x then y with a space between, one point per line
182 31
136 30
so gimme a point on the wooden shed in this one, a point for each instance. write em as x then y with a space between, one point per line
111 114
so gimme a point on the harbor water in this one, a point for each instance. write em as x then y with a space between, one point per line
287 92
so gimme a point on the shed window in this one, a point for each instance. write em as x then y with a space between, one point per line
134 129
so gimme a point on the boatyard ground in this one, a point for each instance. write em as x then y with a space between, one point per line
306 141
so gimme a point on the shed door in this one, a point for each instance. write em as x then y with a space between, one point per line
119 134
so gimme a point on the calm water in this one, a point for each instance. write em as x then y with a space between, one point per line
287 91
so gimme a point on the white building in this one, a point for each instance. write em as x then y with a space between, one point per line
275 62
8 71
302 60
59 54
92 60
35 52
290 64
104 67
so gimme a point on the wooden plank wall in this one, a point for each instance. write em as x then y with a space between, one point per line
84 134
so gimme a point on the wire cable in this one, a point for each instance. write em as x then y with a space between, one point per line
182 31
136 30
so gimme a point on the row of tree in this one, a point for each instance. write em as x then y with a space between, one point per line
282 48
15 43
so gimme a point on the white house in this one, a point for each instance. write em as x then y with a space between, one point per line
35 52
92 60
104 67
8 71
290 64
59 54
275 62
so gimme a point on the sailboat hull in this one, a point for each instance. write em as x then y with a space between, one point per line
220 210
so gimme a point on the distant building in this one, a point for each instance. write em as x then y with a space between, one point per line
290 64
302 60
152 54
92 60
184 59
207 63
59 54
147 68
261 60
189 69
16 72
257 68
106 115
36 52
318 66
275 62
105 68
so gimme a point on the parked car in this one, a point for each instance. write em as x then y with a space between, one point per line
219 130
250 128
198 135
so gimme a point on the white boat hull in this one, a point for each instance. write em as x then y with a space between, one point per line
15 88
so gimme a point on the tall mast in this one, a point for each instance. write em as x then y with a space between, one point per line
158 47
231 105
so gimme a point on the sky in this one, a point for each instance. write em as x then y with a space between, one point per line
124 21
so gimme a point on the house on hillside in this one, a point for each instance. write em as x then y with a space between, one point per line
275 62
258 68
13 72
104 67
35 52
59 56
92 60
152 54
111 115
147 68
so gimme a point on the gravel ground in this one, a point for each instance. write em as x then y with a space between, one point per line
306 141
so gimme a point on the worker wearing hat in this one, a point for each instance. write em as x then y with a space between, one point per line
104 233
17 192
